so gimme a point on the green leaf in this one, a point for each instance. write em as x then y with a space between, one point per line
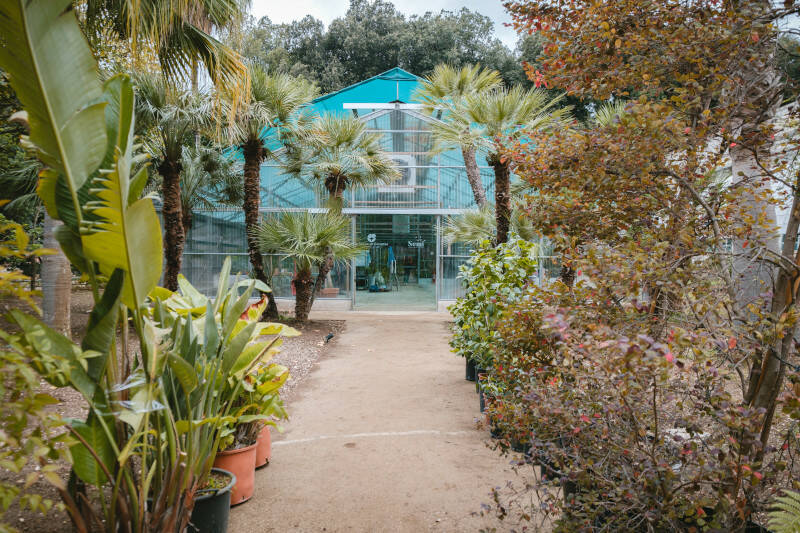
125 237
102 325
86 466
54 74
72 247
211 332
236 347
51 348
186 375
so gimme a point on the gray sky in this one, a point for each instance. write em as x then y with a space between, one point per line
281 11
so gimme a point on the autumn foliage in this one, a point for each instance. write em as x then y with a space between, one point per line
653 385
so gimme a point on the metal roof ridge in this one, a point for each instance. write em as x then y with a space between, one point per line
381 76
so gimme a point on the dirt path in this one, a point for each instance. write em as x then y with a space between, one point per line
382 437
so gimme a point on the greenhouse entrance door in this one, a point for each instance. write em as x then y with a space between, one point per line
398 269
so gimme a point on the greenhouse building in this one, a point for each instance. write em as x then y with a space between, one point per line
407 264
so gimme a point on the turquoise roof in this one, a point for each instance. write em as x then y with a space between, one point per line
390 86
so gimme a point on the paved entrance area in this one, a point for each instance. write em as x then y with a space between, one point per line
382 437
411 297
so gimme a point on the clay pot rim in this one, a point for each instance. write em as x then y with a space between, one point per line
234 451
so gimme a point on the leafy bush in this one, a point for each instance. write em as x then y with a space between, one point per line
31 435
494 278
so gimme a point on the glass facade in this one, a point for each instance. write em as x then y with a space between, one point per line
407 264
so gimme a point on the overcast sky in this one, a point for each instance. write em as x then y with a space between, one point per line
280 11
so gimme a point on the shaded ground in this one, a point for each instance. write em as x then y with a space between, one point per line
382 437
298 354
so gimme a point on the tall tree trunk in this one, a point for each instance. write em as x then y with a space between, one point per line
474 175
302 287
502 197
253 156
56 279
174 237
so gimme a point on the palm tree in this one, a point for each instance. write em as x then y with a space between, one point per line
272 107
502 115
307 238
179 31
441 94
474 226
169 117
338 152
208 179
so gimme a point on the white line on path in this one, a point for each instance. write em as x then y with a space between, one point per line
381 434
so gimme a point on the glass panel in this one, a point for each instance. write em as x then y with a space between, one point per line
286 191
399 267
452 287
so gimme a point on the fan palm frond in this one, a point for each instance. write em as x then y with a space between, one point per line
784 517
340 145
304 237
273 107
179 30
609 113
450 84
19 187
477 225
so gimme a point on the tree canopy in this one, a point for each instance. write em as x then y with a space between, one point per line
373 37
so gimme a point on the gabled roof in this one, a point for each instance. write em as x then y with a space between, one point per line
391 86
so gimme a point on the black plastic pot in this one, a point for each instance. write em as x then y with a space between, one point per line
212 507
482 400
472 374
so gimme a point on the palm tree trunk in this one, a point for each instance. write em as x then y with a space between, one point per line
174 237
303 292
186 217
324 269
336 185
253 155
502 197
56 279
474 175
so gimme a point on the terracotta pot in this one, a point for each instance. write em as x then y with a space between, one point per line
241 462
263 447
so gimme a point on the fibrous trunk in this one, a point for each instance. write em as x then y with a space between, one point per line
303 286
502 197
56 279
174 237
336 185
253 155
324 269
474 175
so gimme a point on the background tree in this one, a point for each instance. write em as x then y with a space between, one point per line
442 93
170 118
373 37
262 121
308 239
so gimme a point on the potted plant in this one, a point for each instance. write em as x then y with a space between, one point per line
255 406
266 384
212 503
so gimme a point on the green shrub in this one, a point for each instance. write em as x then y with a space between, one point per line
494 278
